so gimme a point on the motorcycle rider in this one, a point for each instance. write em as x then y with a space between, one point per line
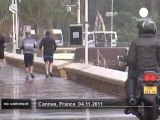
143 55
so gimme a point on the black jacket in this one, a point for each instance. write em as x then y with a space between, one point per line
2 43
49 46
144 53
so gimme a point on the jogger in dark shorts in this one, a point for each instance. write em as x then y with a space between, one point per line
48 58
49 46
28 59
29 45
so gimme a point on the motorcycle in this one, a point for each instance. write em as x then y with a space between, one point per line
147 102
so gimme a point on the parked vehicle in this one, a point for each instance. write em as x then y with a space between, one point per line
91 39
108 38
103 38
58 36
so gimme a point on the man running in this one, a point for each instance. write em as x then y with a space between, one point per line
29 46
49 46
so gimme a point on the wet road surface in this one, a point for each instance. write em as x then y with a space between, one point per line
14 86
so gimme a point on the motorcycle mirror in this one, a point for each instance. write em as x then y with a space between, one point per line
143 12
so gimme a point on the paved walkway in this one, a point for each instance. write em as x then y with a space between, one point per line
13 85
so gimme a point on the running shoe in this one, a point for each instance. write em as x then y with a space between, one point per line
32 75
47 75
51 74
27 77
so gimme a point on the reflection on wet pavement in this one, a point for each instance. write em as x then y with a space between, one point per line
14 85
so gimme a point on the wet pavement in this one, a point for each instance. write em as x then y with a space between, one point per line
14 86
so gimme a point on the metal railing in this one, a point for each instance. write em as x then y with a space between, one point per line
99 55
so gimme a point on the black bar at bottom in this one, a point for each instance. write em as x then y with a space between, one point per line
16 104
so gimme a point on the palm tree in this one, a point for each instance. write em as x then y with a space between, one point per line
5 16
37 13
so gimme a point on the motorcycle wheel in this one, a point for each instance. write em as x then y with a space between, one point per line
148 113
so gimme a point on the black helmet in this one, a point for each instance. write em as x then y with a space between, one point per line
146 27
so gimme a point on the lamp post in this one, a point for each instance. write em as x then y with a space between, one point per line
17 25
14 9
86 24
86 31
111 14
111 23
13 30
78 11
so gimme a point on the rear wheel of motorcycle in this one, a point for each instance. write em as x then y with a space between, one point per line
148 113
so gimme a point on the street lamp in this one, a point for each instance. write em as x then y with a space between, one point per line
111 23
86 31
17 25
69 7
86 24
14 9
111 14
